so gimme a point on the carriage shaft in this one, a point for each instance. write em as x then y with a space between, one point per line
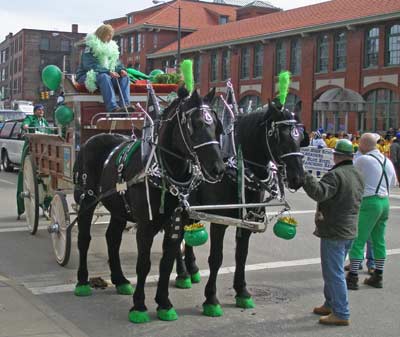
236 206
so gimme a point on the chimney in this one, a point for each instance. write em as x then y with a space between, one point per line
9 36
74 28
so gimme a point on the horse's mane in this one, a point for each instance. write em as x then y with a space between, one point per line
247 131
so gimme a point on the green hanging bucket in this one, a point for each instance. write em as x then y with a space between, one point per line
285 228
195 235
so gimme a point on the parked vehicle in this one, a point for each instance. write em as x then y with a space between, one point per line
11 144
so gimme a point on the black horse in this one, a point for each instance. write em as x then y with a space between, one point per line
268 135
188 133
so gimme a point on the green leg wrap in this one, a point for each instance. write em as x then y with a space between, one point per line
212 310
138 316
184 283
167 315
125 289
196 277
83 290
245 302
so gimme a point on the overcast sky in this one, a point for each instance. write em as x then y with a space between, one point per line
88 14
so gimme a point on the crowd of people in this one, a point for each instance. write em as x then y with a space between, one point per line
352 212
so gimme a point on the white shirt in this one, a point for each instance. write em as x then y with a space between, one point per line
371 171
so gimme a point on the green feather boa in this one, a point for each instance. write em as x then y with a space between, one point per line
107 54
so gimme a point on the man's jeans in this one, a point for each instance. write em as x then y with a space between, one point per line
333 255
109 86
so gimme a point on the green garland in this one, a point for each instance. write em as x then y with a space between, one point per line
106 53
284 83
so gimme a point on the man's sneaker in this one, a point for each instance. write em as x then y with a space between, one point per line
348 267
374 281
322 310
331 319
352 281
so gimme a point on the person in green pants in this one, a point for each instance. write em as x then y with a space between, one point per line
379 176
31 124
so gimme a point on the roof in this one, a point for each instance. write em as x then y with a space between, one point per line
326 15
194 15
263 4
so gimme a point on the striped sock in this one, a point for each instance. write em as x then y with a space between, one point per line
354 265
379 264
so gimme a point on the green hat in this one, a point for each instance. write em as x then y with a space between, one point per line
344 147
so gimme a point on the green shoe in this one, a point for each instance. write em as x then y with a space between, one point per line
196 278
83 290
138 317
125 289
212 310
167 314
245 302
183 283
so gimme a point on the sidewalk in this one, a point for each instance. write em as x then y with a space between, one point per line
24 314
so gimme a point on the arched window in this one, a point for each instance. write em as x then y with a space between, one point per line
393 46
250 103
383 111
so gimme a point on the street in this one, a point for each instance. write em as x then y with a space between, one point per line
283 276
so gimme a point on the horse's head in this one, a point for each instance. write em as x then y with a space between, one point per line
283 141
196 133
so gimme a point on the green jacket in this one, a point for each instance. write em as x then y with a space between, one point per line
33 122
339 194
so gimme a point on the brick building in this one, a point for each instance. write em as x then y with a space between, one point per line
335 44
25 54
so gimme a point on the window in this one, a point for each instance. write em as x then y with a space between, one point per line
258 60
280 57
245 63
138 42
214 67
393 46
155 40
383 111
372 48
130 19
340 51
6 130
223 19
20 43
129 44
295 57
292 102
226 64
250 103
196 69
16 134
15 66
44 43
323 54
65 45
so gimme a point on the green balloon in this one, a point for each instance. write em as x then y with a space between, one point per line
51 76
154 73
64 115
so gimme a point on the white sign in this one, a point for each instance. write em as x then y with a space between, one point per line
317 159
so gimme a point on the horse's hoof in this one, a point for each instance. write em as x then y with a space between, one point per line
167 314
138 317
245 302
125 289
195 277
83 290
212 310
183 283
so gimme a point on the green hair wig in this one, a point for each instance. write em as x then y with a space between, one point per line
284 83
187 72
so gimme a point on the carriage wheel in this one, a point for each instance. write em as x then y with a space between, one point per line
60 228
31 194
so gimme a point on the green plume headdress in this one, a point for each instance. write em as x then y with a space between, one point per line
284 83
187 72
